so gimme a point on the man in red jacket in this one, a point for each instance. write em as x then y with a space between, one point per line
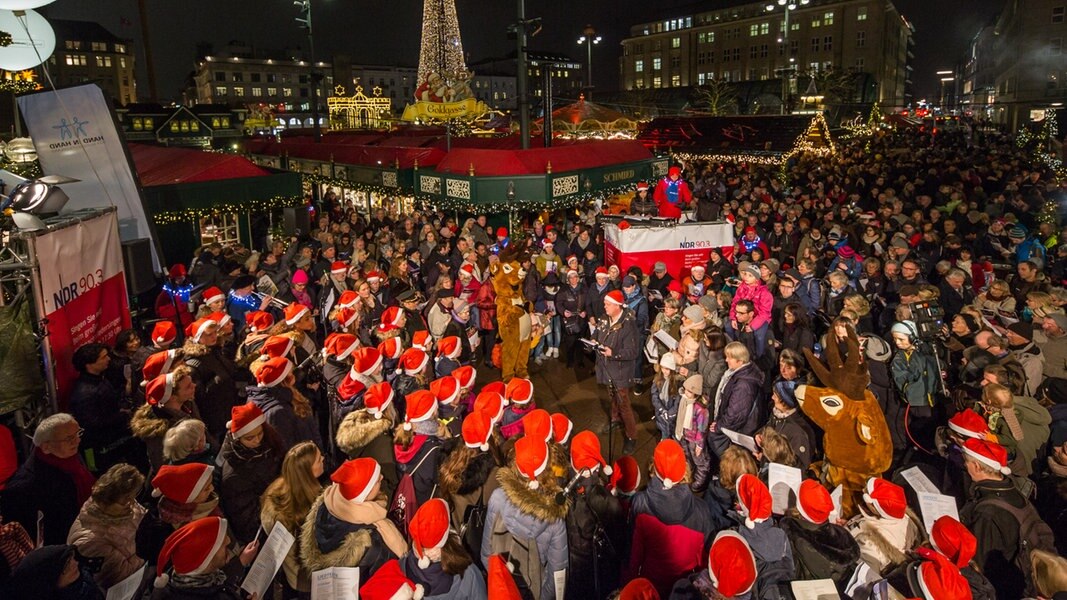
672 193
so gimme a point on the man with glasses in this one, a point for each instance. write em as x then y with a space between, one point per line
53 481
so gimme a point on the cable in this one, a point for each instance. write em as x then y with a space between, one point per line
907 430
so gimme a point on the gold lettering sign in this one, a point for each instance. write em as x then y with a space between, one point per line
619 176
442 111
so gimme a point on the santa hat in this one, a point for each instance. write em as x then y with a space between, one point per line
969 424
952 539
273 372
753 499
158 364
164 333
374 276
625 476
477 429
277 346
390 318
640 588
349 387
244 419
497 387
585 453
465 375
467 268
538 423
258 321
197 328
615 297
422 340
338 267
501 232
445 389
428 529
191 548
412 362
294 312
886 497
391 348
348 299
674 171
601 271
990 454
501 583
421 406
365 360
212 294
531 458
389 583
674 286
519 391
731 564
378 398
814 502
939 579
669 461
490 403
347 316
449 347
160 389
356 478
642 186
562 427
177 271
181 483
340 345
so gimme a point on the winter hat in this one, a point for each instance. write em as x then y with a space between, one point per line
428 529
750 268
1021 329
181 483
412 362
615 297
969 424
365 361
585 453
667 361
189 550
939 579
277 346
273 372
753 499
669 462
562 427
164 333
707 302
490 403
477 429
445 389
642 186
422 340
639 589
449 347
356 478
340 345
497 387
467 268
160 389
198 328
538 423
374 276
629 281
674 286
501 583
465 375
294 312
258 321
972 323
731 564
338 267
952 539
221 318
786 391
244 419
347 316
898 242
501 232
814 502
349 387
348 299
300 276
694 384
601 271
389 583
625 476
990 454
1018 232
243 281
886 497
846 252
177 271
698 269
531 458
905 328
391 348
158 364
519 391
378 398
390 318
694 313
212 294
421 406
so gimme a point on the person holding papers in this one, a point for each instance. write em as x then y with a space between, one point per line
821 549
195 563
438 561
885 529
107 524
736 401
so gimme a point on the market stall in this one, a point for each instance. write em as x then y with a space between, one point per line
630 242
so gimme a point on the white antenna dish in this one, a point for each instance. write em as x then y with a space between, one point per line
23 4
32 39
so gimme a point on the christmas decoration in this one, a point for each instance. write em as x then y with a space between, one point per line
441 51
1041 144
5 39
258 206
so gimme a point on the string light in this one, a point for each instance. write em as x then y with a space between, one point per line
181 292
248 300
310 179
564 202
255 206
441 51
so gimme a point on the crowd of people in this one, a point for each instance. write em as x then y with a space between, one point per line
346 386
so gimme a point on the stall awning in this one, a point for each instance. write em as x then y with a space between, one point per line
535 161
157 165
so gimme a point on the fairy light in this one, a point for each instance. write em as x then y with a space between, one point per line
441 51
192 214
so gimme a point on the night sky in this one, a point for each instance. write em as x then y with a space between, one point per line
380 32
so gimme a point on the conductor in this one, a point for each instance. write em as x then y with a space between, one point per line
617 348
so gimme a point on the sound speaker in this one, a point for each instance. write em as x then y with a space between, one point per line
137 260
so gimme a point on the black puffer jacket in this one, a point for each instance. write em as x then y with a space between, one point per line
826 551
216 390
246 473
593 511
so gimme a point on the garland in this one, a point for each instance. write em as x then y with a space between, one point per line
569 201
181 292
191 214
341 182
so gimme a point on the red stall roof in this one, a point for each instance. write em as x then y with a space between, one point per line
157 165
568 157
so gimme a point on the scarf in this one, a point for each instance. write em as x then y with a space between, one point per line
178 513
74 468
750 244
302 297
782 414
1057 469
685 415
365 513
718 391
214 579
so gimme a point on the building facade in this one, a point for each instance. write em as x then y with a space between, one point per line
86 52
978 81
201 126
752 42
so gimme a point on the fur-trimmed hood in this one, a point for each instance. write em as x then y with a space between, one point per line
146 423
359 428
192 349
539 503
348 554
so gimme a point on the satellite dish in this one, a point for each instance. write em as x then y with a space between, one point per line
26 50
23 4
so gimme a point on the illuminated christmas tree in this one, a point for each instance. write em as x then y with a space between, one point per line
441 51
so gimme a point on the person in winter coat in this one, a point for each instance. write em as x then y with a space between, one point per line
467 477
665 391
52 573
711 362
438 561
821 549
691 429
99 407
737 401
886 530
251 458
595 523
790 423
1019 423
168 400
286 410
672 194
107 525
194 563
288 501
460 327
916 375
213 373
753 290
368 433
618 349
769 543
419 444
642 205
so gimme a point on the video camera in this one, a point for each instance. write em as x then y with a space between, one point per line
929 318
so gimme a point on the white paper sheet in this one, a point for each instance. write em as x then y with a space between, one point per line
666 339
781 479
836 497
652 351
560 578
919 482
814 589
335 583
745 441
268 561
935 506
125 589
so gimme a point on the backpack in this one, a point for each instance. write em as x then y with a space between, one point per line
1034 534
404 503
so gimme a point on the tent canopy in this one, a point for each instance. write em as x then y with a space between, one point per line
774 135
157 165
535 161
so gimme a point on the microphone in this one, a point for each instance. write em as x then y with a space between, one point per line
561 497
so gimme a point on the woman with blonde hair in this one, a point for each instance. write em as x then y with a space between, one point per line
1049 573
287 501
106 526
862 308
996 299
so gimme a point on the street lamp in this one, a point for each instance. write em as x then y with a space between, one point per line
305 23
589 37
788 6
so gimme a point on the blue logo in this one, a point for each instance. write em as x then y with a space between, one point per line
72 129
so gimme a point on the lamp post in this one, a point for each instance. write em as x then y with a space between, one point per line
788 6
305 23
945 77
589 37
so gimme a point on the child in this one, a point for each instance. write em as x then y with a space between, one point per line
691 428
519 395
665 391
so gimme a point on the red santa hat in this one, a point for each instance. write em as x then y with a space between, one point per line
412 362
477 429
374 276
639 589
378 398
258 321
490 403
338 267
220 317
497 387
990 454
519 391
969 424
356 478
615 297
624 225
277 346
939 579
389 583
674 171
348 299
177 271
814 502
158 364
445 389
753 500
467 268
197 328
365 361
391 348
390 319
422 340
449 347
642 186
294 312
625 476
160 389
347 316
429 529
886 497
669 462
421 406
731 564
465 375
585 453
531 458
181 483
601 271
674 286
538 423
349 387
562 427
501 232
273 372
164 333
952 539
340 345
191 548
501 583
212 294
244 419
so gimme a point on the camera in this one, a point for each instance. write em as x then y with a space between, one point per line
929 318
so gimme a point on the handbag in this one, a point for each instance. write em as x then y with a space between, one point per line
473 527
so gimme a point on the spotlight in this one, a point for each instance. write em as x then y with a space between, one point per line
40 196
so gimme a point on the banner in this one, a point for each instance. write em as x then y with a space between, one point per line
83 285
680 247
443 111
76 136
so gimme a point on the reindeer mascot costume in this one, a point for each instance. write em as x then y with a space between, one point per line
512 316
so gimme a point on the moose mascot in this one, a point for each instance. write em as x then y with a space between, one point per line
513 317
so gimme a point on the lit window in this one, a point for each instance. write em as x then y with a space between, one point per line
185 126
657 81
287 92
815 23
194 126
764 28
700 79
122 62
828 18
639 66
238 91
657 64
676 42
137 124
753 30
174 127
257 92
220 90
225 122
272 91
149 122
99 47
861 13
676 80
215 122
120 48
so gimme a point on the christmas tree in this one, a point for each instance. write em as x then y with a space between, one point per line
441 51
